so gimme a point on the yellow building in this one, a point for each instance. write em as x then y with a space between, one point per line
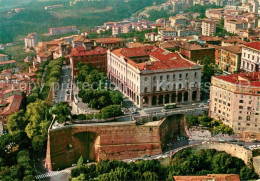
230 58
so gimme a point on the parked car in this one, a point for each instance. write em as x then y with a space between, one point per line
232 140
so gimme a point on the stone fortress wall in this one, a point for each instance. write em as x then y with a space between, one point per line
118 140
232 149
124 140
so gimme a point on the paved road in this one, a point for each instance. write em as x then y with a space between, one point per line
178 145
64 82
179 107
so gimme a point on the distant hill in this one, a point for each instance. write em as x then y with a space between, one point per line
83 14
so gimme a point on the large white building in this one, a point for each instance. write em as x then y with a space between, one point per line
250 60
152 76
31 40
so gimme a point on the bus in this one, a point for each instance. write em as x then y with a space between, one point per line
170 106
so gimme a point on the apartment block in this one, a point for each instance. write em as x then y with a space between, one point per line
208 28
235 99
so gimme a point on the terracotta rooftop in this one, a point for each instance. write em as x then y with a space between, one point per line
215 177
82 39
210 38
233 49
250 79
109 40
189 46
7 62
160 59
254 45
13 104
81 51
234 40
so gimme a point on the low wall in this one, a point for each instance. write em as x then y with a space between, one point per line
232 149
256 164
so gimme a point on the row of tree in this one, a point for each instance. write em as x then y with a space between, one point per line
51 70
185 162
28 128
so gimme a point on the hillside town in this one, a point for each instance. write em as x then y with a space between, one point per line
140 91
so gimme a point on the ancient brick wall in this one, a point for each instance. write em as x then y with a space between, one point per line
99 142
171 127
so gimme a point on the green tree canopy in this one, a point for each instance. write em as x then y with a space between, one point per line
62 110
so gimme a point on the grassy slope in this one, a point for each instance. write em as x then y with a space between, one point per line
83 14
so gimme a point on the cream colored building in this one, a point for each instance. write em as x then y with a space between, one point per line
177 21
208 28
235 99
215 13
230 58
31 40
152 76
250 60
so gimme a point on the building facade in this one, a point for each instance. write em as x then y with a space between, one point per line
251 57
152 76
230 58
177 21
208 28
63 30
235 99
31 40
196 53
3 58
96 58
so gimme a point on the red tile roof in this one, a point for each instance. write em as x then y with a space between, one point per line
161 58
13 106
8 62
254 45
109 40
233 49
251 79
215 177
81 51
